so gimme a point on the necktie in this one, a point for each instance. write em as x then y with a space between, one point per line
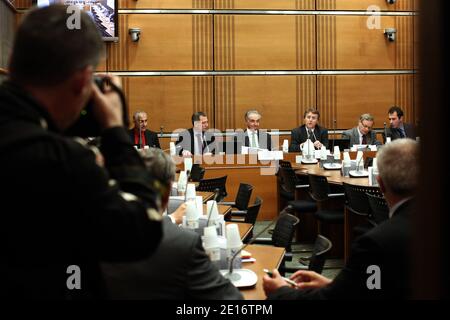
402 132
364 139
311 135
253 139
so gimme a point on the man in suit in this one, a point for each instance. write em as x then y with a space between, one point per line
399 129
140 136
180 268
252 136
309 130
196 140
379 264
362 134
69 209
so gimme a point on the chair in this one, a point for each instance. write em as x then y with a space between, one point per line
358 205
330 212
251 216
317 259
212 184
379 208
242 199
197 173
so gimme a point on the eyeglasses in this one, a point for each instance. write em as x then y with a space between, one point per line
366 127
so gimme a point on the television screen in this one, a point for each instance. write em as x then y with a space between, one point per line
103 12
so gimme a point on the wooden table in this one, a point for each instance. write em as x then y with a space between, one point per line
267 257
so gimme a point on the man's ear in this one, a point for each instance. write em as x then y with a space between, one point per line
81 80
381 184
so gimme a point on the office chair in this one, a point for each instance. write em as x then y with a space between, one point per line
212 184
197 173
242 199
379 209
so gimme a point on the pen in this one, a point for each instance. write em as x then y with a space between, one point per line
292 283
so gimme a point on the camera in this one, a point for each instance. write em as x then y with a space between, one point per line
86 125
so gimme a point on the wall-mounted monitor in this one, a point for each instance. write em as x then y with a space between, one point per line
103 12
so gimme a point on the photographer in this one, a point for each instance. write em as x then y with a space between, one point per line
61 207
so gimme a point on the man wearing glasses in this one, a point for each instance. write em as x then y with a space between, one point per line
362 134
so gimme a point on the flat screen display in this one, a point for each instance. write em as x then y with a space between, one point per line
103 12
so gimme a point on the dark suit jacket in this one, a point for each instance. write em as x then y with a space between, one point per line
151 138
410 132
179 269
264 140
386 246
353 135
299 135
186 141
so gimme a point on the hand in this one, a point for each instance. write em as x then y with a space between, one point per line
310 280
272 284
178 214
186 153
317 144
107 106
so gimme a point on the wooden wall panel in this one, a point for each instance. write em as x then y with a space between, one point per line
168 42
269 4
400 5
170 101
280 99
7 26
257 42
165 4
23 4
345 42
346 97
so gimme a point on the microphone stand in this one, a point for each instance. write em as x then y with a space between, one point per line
140 137
236 276
385 133
334 132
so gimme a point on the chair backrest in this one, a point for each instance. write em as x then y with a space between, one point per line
213 184
253 210
243 196
197 172
284 231
319 188
356 197
317 260
288 179
379 208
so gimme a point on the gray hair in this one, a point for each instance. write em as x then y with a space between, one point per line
398 166
249 112
137 113
159 164
367 117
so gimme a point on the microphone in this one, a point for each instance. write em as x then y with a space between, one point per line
216 195
359 173
236 276
161 132
140 137
334 132
385 132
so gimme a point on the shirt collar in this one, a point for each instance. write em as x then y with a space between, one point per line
398 205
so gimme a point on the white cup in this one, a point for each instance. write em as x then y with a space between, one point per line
190 191
211 207
233 236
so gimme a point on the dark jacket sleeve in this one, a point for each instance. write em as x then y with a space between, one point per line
205 281
119 204
295 140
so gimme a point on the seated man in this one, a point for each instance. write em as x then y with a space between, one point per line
309 130
180 268
399 129
378 267
363 133
252 136
140 136
196 141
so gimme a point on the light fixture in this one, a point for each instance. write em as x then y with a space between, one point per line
135 34
390 33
